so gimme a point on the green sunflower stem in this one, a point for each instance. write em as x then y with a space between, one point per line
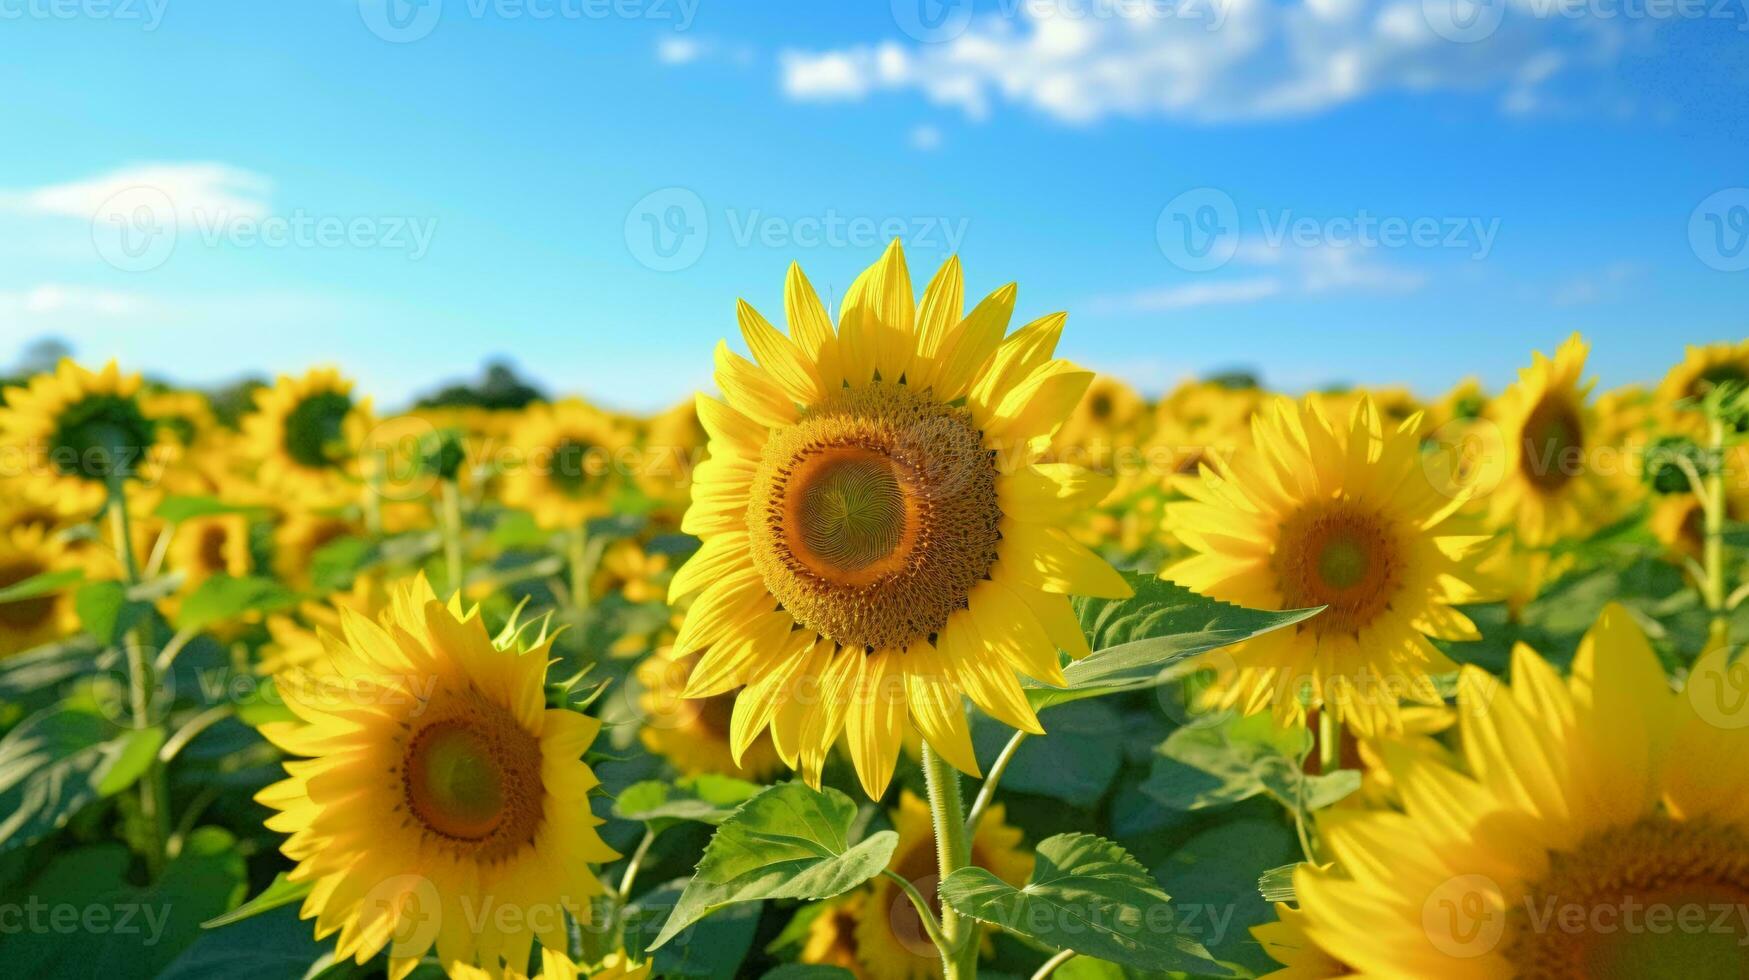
154 788
1713 512
1329 742
451 501
959 955
580 569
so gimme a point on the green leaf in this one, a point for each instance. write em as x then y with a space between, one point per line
1089 895
223 598
807 971
1076 764
105 610
178 509
1140 642
60 760
712 948
1221 866
1197 768
788 842
280 892
705 798
274 946
40 585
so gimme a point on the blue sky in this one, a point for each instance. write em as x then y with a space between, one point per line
205 188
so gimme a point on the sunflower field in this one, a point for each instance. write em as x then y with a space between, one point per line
912 650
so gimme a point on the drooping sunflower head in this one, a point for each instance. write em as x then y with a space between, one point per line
80 432
1582 820
436 782
306 433
1550 479
876 523
569 463
1343 517
25 553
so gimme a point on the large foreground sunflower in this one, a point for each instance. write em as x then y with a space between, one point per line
77 432
877 538
1549 481
1599 828
1340 516
438 792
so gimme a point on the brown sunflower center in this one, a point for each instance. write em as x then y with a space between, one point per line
1342 556
24 614
1552 443
575 464
473 780
1656 898
874 515
213 541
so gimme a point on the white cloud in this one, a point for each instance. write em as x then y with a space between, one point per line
55 299
1606 284
212 189
1210 60
1287 272
678 50
926 138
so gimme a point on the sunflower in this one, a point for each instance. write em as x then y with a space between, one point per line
556 965
296 641
694 734
1702 368
1547 482
436 784
875 528
831 939
25 553
1342 517
1586 813
206 546
76 432
303 534
567 464
305 434
1111 418
890 941
1286 942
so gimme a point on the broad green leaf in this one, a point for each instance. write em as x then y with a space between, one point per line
807 971
41 585
1076 764
1220 867
274 946
179 509
705 798
714 947
1197 768
105 610
1143 641
280 892
60 760
1089 895
223 598
788 842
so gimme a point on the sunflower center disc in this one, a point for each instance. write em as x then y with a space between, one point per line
874 516
1657 898
1342 557
1553 438
475 780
